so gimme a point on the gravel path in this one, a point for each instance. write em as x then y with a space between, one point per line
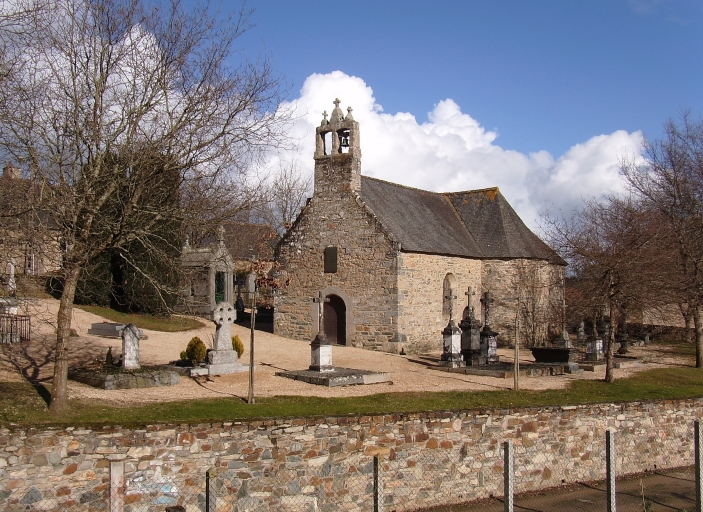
414 373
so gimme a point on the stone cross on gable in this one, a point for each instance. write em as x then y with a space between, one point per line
336 102
320 315
451 298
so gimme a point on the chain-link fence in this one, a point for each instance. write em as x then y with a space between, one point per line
601 470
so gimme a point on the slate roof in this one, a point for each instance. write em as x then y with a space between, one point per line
246 240
475 224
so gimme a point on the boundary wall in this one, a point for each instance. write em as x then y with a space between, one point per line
327 463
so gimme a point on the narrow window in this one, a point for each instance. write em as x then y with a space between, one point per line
330 260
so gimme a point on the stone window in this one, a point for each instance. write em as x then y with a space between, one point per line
330 260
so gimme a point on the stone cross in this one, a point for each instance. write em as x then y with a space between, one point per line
487 301
320 315
130 347
451 298
324 118
224 316
470 293
336 102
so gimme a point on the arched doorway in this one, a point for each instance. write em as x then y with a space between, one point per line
336 320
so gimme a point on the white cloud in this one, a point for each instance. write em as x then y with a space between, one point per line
453 152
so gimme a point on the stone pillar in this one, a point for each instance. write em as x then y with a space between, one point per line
211 287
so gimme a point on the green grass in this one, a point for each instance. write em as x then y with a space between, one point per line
22 404
153 323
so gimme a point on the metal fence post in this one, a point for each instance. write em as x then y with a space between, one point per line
116 486
508 476
210 498
698 449
610 469
377 484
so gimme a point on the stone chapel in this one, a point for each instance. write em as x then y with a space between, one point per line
394 262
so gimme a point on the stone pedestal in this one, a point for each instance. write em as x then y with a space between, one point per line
471 344
489 345
321 354
451 355
594 349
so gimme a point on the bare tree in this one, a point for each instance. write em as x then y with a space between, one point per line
613 252
670 181
284 195
120 110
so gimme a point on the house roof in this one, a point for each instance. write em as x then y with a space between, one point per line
246 240
473 224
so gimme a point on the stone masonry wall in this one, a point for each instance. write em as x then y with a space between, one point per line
365 276
420 296
536 284
326 463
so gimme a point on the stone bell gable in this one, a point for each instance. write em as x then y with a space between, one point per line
387 256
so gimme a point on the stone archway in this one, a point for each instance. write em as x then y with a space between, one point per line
335 320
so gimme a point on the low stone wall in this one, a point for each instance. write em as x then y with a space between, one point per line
295 464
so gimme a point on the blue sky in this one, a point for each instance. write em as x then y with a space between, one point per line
540 80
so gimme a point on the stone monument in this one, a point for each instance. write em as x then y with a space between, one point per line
451 353
581 335
223 358
130 347
11 283
321 347
489 338
471 334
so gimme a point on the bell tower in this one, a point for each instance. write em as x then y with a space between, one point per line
337 152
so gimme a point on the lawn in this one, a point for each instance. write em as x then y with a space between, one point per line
154 323
22 404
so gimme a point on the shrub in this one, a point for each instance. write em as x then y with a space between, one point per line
237 345
196 351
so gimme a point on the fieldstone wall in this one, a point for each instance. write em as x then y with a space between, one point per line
422 310
326 463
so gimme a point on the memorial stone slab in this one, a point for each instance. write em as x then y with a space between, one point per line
130 347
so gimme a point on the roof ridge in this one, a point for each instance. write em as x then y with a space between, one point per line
495 189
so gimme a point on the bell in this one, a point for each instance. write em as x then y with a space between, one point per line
344 142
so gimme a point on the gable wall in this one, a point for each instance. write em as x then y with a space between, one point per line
365 274
420 297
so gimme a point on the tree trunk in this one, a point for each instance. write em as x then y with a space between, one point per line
698 324
59 393
686 314
610 345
